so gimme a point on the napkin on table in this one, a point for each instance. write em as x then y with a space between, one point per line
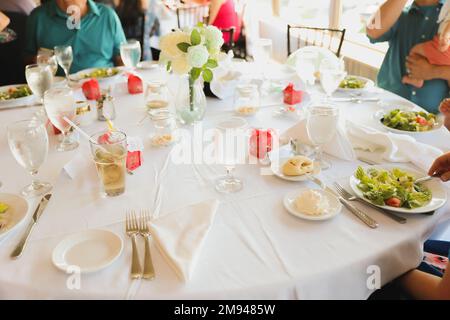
339 147
181 235
81 164
387 146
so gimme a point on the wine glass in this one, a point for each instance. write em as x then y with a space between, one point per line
262 55
331 76
321 126
60 103
28 141
64 56
130 52
50 59
39 79
231 144
305 67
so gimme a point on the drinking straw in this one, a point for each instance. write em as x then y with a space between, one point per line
84 134
79 130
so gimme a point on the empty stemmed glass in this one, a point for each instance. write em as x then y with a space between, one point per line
262 55
130 52
60 103
321 124
231 143
28 141
64 56
331 76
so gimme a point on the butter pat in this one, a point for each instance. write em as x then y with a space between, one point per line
312 202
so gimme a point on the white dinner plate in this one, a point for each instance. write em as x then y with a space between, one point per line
439 194
80 75
277 169
335 205
369 84
378 115
15 102
12 218
90 250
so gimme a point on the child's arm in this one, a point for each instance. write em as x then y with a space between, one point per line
425 286
444 38
4 21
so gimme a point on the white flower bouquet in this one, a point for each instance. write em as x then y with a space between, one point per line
192 51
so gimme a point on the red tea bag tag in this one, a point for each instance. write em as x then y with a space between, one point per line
134 156
135 85
292 96
91 89
104 138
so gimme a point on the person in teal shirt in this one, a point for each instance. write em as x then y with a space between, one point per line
403 28
95 39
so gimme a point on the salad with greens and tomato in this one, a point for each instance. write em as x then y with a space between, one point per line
415 121
394 188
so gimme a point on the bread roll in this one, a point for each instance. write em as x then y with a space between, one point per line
298 166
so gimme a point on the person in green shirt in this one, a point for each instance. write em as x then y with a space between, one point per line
93 30
403 28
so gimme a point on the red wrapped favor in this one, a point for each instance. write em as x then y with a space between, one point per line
134 156
135 84
91 89
292 96
261 142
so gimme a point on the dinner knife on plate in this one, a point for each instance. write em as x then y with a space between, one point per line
37 214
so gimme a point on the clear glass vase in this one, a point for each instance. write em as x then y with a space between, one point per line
190 101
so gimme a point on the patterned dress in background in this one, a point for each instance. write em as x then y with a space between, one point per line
7 35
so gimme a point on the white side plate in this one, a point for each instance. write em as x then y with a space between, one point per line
277 169
90 250
335 205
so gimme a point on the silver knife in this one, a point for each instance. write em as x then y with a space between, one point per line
21 106
37 214
358 213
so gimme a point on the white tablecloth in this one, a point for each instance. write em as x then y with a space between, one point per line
255 249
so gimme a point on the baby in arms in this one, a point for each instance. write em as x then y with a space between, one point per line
436 51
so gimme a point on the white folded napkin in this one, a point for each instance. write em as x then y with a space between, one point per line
339 147
181 235
81 164
387 146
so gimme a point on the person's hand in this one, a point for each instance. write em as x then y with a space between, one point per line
441 167
444 108
419 67
444 38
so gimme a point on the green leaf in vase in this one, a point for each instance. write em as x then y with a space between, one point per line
207 75
211 63
183 46
169 65
195 73
196 38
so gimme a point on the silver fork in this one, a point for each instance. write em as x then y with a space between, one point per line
349 197
132 229
149 271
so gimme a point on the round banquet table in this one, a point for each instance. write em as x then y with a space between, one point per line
255 248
